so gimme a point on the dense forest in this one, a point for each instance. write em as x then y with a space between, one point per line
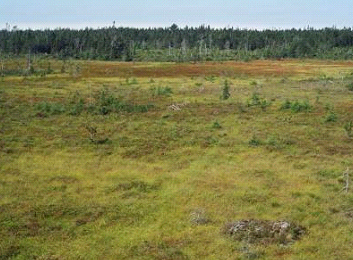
179 44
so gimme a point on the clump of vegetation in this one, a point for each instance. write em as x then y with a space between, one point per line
350 86
132 81
273 142
225 90
253 83
303 106
211 78
216 125
286 105
257 101
254 141
140 186
77 108
297 106
47 108
331 117
162 91
105 102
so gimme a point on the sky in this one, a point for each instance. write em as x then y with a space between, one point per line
250 14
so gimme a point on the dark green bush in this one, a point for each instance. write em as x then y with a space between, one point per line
297 106
225 90
216 125
350 86
331 117
105 103
302 106
254 141
286 105
257 101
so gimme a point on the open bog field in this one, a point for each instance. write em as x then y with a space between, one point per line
104 160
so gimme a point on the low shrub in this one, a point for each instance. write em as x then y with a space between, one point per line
216 125
296 106
105 103
48 108
254 141
350 86
161 91
331 117
225 90
257 101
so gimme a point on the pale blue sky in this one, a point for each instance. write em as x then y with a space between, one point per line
255 14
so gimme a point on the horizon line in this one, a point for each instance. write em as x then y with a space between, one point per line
82 26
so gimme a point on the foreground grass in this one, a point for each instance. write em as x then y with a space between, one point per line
141 167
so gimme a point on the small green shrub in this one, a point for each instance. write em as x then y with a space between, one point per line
264 104
138 185
216 125
105 98
350 86
225 90
257 101
331 117
77 108
272 141
210 78
162 91
253 83
302 106
107 103
51 108
286 105
297 106
134 81
254 141
254 100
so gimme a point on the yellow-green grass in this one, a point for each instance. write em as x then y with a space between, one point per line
162 184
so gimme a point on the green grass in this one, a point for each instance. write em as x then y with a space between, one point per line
109 168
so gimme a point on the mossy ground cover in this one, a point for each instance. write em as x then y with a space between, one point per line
136 165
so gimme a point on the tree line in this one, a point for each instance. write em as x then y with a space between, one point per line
179 44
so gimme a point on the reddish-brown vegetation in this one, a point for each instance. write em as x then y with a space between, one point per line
253 68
